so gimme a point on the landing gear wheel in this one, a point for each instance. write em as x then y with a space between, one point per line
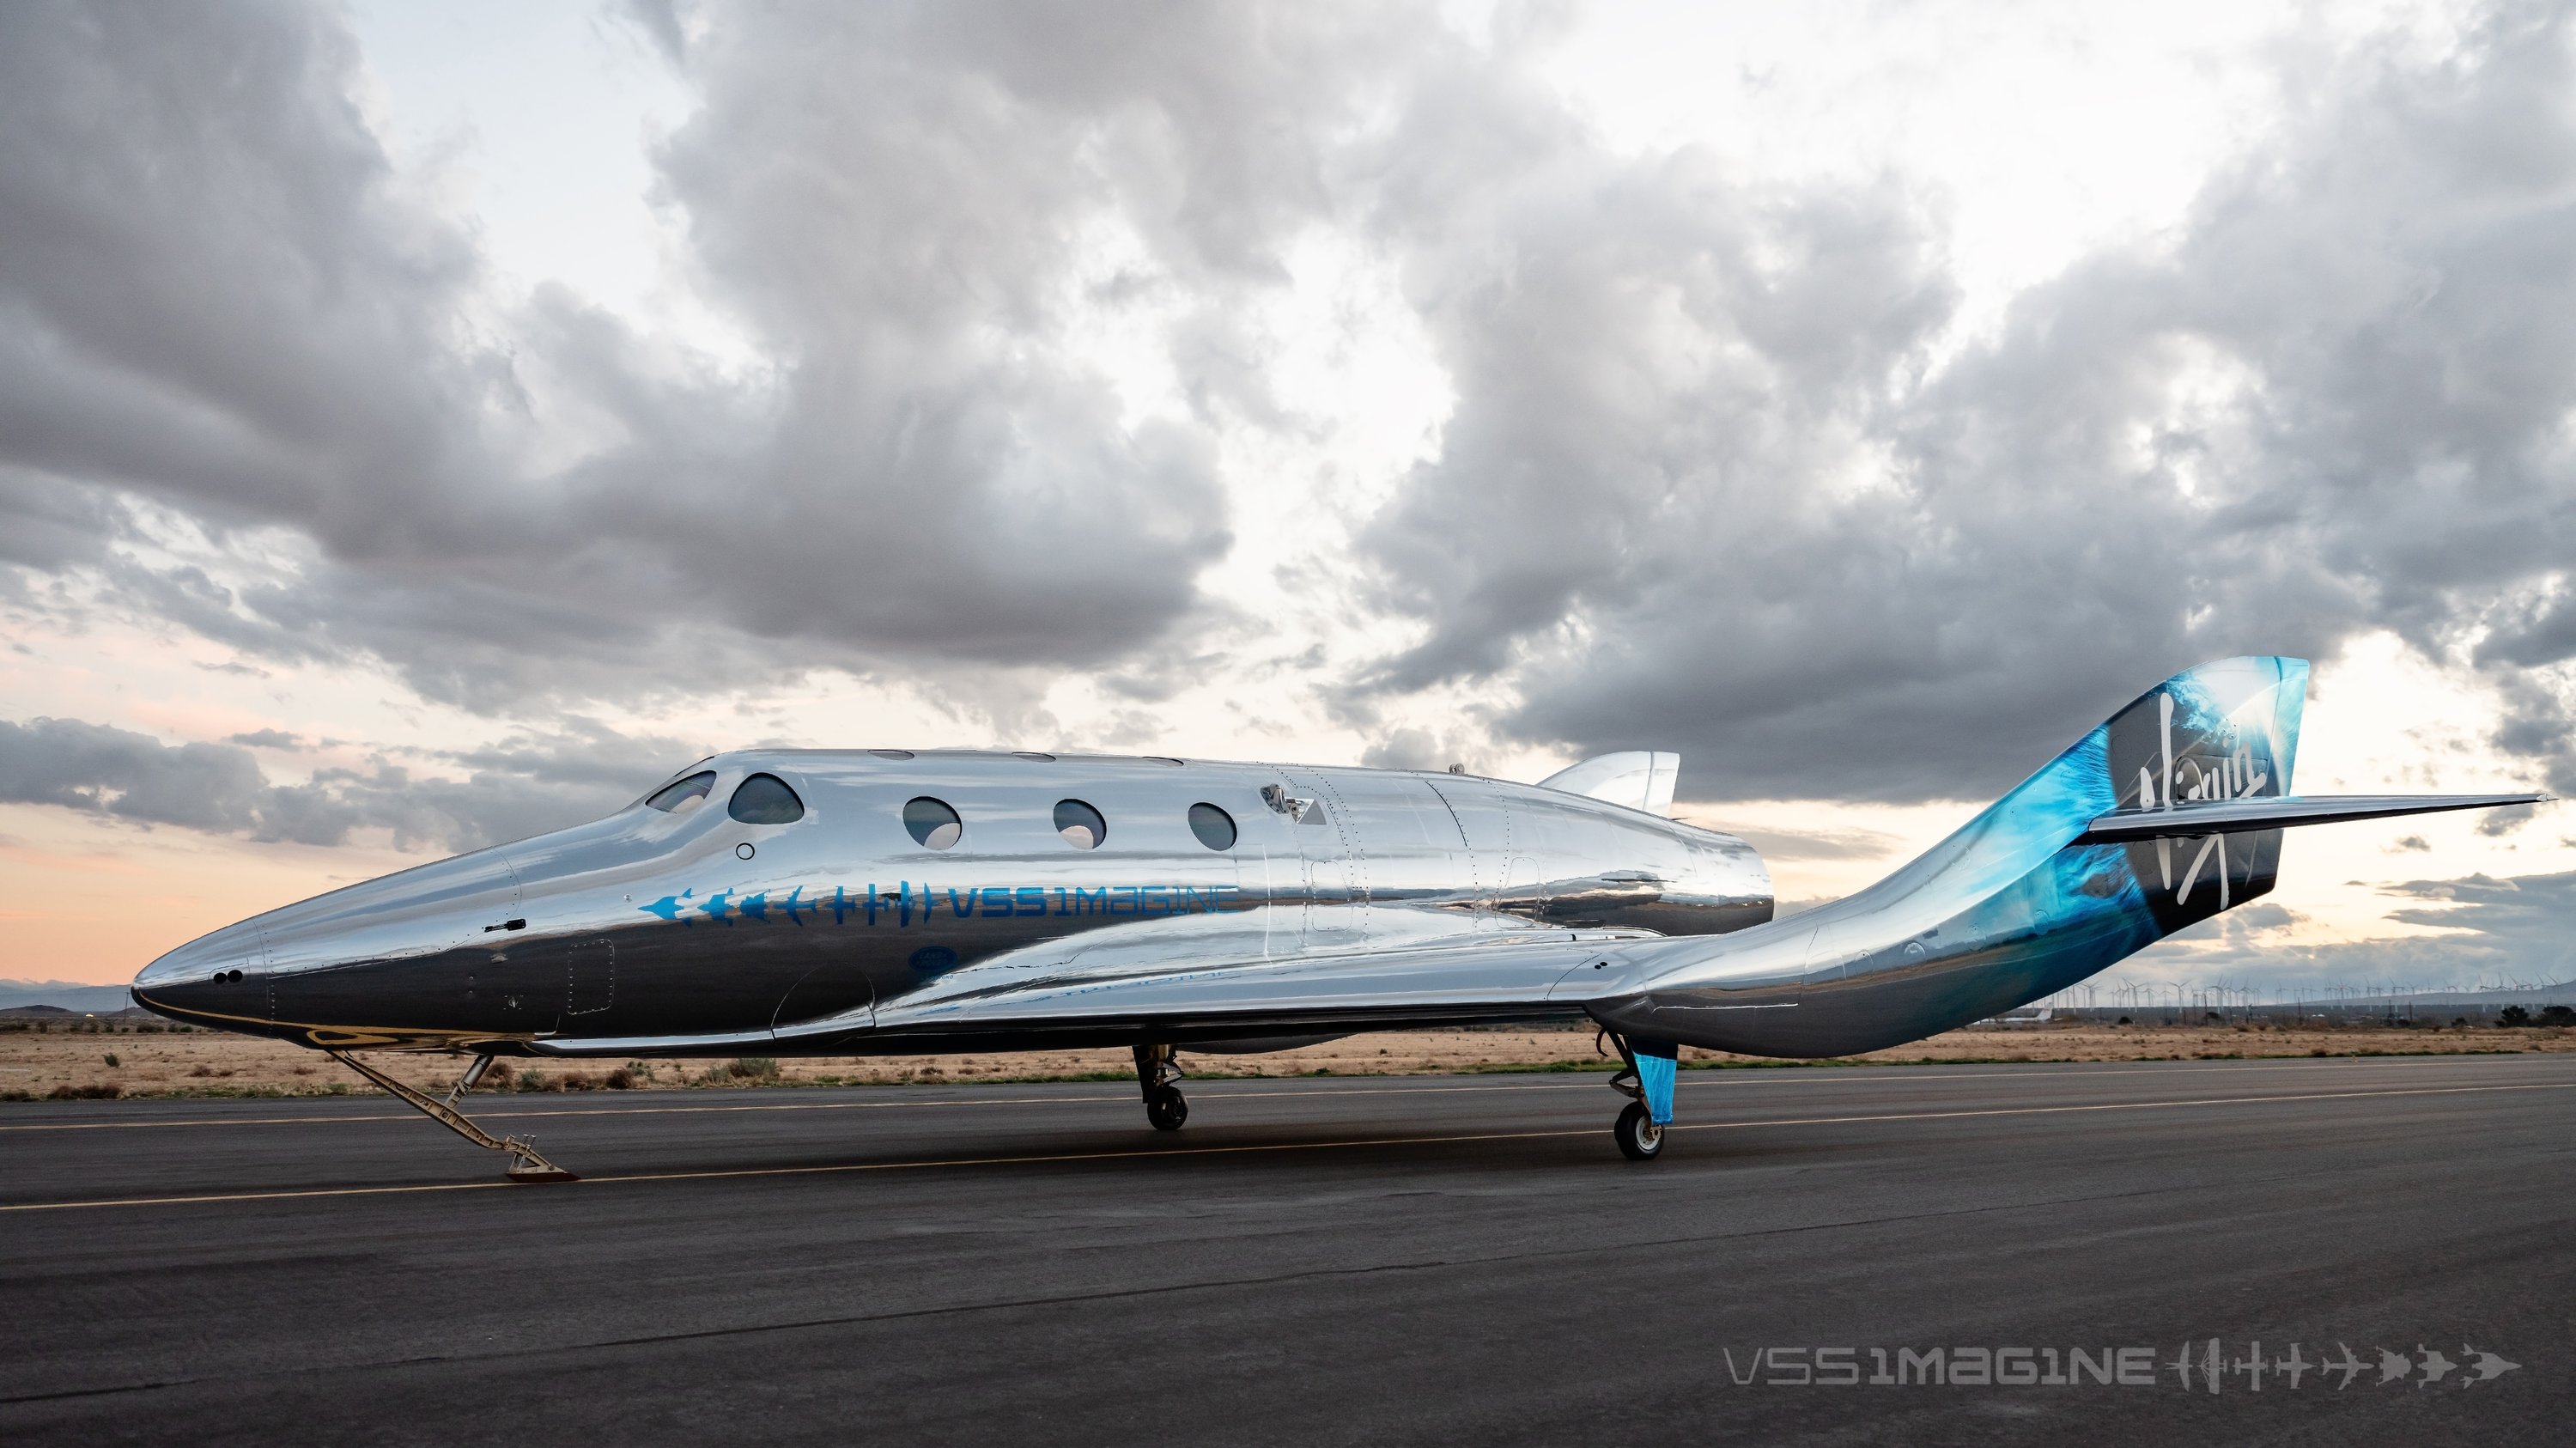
1167 1108
1640 1139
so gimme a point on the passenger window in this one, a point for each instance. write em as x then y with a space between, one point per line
932 823
1080 824
1213 826
681 794
765 799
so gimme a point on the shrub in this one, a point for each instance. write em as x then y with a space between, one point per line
110 1058
93 1091
2558 1015
620 1079
536 1081
2514 1016
754 1068
500 1076
577 1081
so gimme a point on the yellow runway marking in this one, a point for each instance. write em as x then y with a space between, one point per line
1719 1076
1047 1158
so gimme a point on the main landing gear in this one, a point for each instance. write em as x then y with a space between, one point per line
1647 1079
1158 1075
525 1164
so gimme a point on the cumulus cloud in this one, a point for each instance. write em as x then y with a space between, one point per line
218 297
525 786
1720 472
101 769
2519 929
1706 488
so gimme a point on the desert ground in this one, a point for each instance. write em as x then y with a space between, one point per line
60 1057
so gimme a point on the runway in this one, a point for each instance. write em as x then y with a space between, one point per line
1369 1260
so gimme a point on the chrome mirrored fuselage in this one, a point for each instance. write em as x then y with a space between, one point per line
674 931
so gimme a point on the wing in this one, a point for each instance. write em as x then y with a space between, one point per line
1402 968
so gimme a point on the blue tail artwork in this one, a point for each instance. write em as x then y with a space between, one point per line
2017 903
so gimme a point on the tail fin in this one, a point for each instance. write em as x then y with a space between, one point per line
2165 815
2223 731
2228 730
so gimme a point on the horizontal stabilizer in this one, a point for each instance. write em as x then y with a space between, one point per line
1638 778
2209 817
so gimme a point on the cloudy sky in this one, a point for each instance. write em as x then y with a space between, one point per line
425 425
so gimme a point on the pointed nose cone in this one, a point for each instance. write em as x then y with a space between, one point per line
330 961
216 975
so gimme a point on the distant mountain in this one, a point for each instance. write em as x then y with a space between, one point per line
67 995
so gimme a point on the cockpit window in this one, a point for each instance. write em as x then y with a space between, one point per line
765 799
932 823
682 794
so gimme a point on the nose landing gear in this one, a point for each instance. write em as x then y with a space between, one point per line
525 1164
1157 1075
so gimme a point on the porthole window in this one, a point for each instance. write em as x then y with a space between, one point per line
682 794
1213 826
765 799
932 823
1080 824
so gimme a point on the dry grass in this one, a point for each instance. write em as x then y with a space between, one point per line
38 1065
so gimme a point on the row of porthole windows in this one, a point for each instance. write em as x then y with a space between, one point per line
935 824
765 799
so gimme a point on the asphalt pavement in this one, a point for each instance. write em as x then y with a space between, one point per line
2365 1251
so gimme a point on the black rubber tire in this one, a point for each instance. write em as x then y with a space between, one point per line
1167 1108
1639 1138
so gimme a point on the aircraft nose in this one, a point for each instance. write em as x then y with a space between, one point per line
215 973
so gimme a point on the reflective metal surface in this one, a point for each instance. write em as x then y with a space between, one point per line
2013 906
939 900
650 931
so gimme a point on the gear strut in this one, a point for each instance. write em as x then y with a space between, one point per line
525 1164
